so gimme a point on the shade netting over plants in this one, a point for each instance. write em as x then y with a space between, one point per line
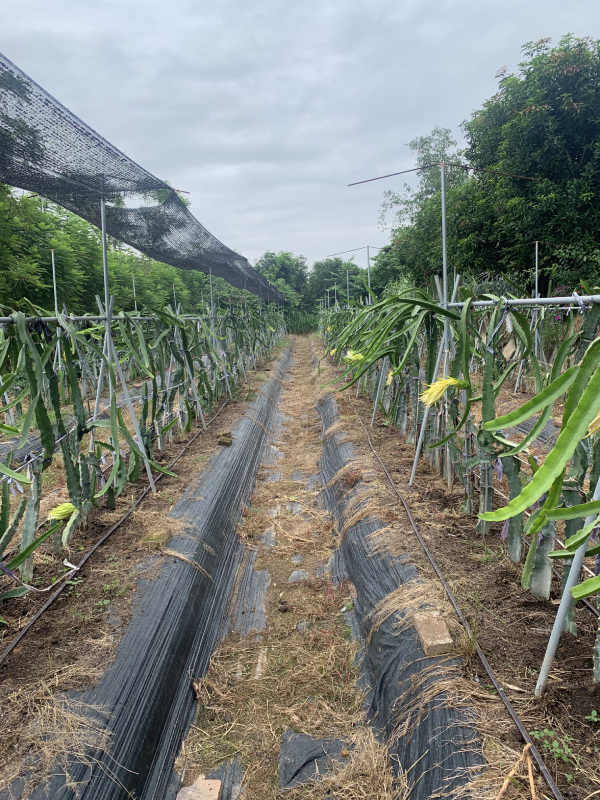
44 148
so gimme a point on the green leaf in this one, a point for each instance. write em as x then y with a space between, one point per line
547 397
18 592
575 541
27 422
569 437
586 589
170 425
24 554
573 512
10 473
22 394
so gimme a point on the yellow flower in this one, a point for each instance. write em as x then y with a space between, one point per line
63 511
594 425
437 390
352 356
333 351
390 377
329 328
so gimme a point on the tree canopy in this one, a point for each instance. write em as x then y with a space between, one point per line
543 123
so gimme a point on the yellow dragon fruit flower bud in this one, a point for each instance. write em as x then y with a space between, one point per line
63 511
353 356
435 391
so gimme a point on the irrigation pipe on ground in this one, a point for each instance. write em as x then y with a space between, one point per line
8 650
513 714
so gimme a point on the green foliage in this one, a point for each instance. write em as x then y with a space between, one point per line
402 334
184 366
301 322
544 123
288 272
559 747
30 227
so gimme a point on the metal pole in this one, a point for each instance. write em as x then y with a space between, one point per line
134 421
537 294
379 387
107 304
58 330
99 384
134 295
445 264
368 273
565 604
212 304
347 289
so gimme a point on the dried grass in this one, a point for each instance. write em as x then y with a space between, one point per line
52 728
258 687
157 528
65 732
255 690
410 599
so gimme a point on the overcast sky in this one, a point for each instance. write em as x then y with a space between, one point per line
264 110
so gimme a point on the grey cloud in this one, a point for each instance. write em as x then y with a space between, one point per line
266 110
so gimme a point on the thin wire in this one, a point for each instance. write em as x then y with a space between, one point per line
461 166
354 250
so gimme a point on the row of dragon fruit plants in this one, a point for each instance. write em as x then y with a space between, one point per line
62 392
394 350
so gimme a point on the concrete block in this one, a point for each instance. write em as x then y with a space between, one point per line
433 633
202 789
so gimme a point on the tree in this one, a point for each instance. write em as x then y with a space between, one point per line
331 272
430 150
289 273
30 228
543 123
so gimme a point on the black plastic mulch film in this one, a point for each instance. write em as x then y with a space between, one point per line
441 748
46 149
146 694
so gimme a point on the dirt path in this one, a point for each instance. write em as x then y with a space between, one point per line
297 670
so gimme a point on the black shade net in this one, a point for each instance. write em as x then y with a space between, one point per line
46 149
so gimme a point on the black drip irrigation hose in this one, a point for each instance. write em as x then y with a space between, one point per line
514 716
8 650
